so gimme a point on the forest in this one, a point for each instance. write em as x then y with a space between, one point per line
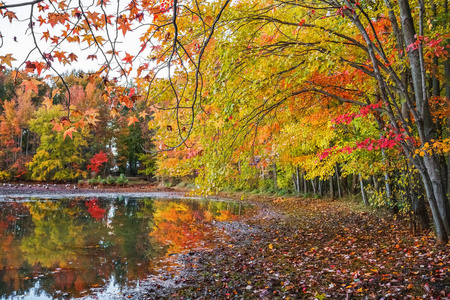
322 98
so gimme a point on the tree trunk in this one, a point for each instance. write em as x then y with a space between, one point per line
330 179
298 180
338 183
363 192
294 182
305 183
320 187
313 186
441 232
275 185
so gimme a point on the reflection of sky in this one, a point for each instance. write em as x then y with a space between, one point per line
107 292
35 293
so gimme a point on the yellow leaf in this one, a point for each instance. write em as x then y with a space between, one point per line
114 112
143 114
7 59
47 102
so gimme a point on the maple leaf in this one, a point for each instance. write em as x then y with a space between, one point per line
92 56
132 120
69 132
73 57
60 55
29 66
45 35
55 92
128 58
53 19
42 7
88 38
7 59
62 5
91 111
39 66
99 39
55 40
73 39
41 20
11 15
92 120
114 112
80 124
31 84
76 113
124 25
56 126
143 114
64 121
48 102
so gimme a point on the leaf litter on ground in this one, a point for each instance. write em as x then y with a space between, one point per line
311 249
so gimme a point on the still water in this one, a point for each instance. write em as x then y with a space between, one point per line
84 246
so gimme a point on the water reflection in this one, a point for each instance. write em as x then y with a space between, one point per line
64 248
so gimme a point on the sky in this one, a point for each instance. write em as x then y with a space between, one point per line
17 40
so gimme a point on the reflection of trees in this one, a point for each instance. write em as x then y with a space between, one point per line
57 235
81 243
130 244
183 224
77 246
15 222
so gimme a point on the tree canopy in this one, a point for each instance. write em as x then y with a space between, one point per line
251 93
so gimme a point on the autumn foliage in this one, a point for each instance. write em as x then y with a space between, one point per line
321 97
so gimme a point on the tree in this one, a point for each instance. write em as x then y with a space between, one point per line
242 65
58 157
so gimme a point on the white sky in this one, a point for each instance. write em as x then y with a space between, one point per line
21 49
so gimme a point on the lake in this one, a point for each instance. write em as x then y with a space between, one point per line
92 247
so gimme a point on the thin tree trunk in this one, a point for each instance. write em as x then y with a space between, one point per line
298 180
305 183
375 183
338 183
330 179
294 182
320 187
275 185
363 192
313 186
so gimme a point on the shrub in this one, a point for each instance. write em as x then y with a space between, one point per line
122 180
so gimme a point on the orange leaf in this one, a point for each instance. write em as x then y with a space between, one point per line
59 55
56 126
128 58
69 132
39 66
11 15
45 35
31 84
132 120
